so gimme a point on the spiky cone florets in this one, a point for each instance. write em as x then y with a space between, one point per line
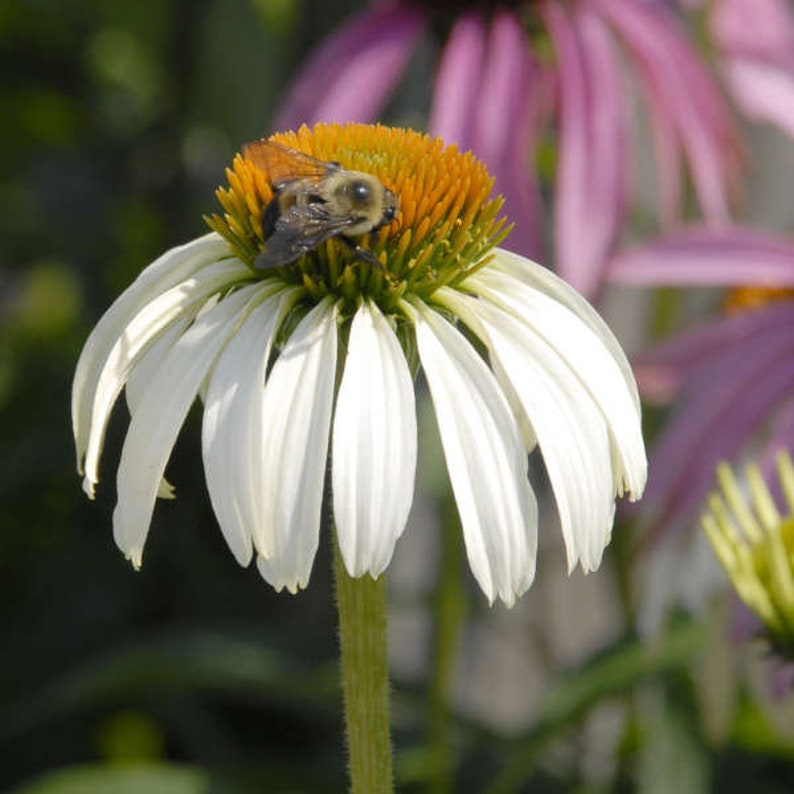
446 226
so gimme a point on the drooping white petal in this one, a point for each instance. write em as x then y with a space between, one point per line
570 429
485 458
572 328
168 270
145 367
544 280
141 331
374 445
232 436
147 364
141 375
157 419
296 419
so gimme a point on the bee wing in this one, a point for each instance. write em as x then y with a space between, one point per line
298 231
281 163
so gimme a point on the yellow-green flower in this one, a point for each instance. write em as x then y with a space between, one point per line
755 544
312 363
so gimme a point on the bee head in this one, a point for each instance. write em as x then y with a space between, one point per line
358 191
364 197
389 207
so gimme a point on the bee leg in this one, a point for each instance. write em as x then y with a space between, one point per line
361 253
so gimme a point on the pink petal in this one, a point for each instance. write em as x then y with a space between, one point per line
722 412
457 85
683 97
756 41
703 257
351 75
781 678
483 101
662 371
782 431
781 439
764 93
503 130
760 28
591 178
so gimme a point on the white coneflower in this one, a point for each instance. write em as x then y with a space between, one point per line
316 358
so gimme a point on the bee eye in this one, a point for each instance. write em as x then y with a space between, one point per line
360 191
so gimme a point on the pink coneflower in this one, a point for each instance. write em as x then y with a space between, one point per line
507 78
729 377
731 381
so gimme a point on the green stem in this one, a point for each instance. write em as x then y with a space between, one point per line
361 604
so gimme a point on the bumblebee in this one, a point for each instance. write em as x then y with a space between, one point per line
313 201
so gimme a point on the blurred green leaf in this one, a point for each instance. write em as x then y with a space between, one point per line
130 736
50 302
119 57
754 731
616 671
133 87
45 116
278 16
189 661
671 757
148 779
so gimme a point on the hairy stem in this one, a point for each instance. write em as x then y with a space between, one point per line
361 604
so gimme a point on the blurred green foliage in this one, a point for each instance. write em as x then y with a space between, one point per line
192 675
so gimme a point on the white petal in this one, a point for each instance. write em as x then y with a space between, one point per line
485 458
161 412
567 323
232 430
142 330
139 379
374 445
171 268
143 372
570 429
147 364
544 280
296 419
